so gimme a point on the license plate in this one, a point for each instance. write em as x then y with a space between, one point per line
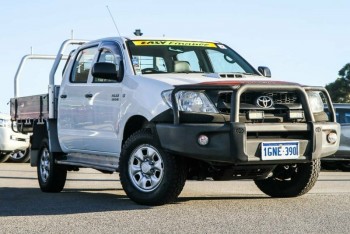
279 150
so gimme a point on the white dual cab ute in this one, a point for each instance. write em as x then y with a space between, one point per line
160 111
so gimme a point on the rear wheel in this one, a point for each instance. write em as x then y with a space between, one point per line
52 177
290 180
149 175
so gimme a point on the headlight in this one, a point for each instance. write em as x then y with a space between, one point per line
190 101
315 101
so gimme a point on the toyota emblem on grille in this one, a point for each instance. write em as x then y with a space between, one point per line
264 101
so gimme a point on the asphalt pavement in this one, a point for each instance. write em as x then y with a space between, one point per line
93 202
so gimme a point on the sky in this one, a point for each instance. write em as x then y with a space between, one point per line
306 42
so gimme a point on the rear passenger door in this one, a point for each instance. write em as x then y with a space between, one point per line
73 114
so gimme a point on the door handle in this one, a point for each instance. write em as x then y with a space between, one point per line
63 96
88 95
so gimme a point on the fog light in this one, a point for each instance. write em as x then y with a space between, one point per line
332 137
203 140
255 115
293 114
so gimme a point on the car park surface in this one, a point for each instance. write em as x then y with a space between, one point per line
93 202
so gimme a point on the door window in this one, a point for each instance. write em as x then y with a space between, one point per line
82 65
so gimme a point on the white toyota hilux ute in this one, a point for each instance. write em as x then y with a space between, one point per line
161 111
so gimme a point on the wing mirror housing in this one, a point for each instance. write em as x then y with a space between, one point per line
265 71
106 71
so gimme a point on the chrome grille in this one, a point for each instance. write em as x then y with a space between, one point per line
278 97
284 101
283 98
249 98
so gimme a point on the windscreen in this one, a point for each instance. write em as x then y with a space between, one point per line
156 56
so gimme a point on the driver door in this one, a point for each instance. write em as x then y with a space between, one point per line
104 106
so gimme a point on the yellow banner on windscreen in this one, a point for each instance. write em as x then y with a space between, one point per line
174 43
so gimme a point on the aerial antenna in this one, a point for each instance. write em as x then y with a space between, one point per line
115 25
72 34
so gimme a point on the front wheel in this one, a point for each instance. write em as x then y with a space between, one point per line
290 180
149 175
52 177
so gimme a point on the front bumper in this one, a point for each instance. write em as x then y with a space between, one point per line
235 143
239 142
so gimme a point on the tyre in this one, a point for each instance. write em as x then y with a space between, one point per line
20 156
290 180
149 175
51 176
4 157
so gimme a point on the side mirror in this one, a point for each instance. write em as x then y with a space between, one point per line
265 71
106 71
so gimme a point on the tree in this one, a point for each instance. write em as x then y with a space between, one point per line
339 90
345 72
